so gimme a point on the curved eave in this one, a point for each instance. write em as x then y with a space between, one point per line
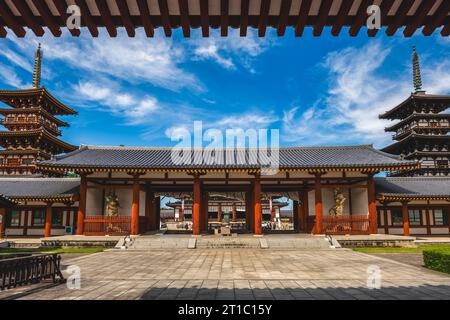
417 116
412 197
41 132
392 114
59 122
40 91
413 135
48 198
190 170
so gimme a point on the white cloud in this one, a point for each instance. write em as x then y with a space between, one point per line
135 110
231 51
135 60
9 76
357 94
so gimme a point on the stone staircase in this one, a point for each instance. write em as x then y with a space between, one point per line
277 242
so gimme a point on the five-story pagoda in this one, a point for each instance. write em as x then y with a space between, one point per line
32 128
422 132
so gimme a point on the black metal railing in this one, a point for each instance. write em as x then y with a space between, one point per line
29 270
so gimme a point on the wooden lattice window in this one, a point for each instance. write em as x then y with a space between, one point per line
442 163
13 162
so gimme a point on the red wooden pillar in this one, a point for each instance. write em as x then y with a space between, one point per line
196 207
257 207
373 228
82 205
48 220
150 210
319 206
2 222
135 207
233 213
219 213
405 218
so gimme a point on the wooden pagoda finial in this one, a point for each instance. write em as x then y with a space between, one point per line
417 77
37 68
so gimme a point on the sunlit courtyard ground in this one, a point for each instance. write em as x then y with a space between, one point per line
241 274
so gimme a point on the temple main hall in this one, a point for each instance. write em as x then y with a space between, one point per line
49 187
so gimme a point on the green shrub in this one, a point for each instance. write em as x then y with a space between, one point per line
438 259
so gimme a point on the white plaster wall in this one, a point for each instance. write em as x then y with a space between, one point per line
125 198
14 232
396 231
311 203
443 230
380 230
94 202
418 230
360 201
35 232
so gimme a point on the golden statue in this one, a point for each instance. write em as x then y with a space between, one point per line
339 200
112 205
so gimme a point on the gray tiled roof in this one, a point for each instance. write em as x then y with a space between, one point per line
290 157
38 187
413 186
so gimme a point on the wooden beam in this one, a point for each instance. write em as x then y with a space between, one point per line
11 21
284 17
145 18
324 12
3 32
341 18
204 17
87 18
48 17
164 9
126 19
302 17
61 6
361 17
438 18
446 31
244 17
400 16
224 8
263 17
102 6
29 17
385 7
184 17
419 17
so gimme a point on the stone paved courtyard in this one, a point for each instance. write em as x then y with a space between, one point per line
241 274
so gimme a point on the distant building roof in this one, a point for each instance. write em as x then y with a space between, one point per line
412 188
40 189
361 157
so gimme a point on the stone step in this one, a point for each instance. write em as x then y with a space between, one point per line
211 242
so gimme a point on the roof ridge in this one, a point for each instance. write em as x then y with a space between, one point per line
37 179
93 147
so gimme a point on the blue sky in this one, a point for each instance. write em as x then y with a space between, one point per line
316 91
